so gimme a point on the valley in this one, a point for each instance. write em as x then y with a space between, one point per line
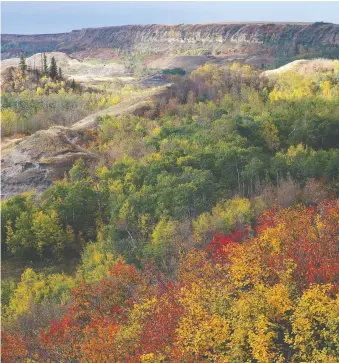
170 193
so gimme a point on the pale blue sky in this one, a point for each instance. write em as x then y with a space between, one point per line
57 17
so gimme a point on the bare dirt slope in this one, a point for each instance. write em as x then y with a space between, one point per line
186 62
32 163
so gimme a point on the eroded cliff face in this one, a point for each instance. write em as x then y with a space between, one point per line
32 163
216 39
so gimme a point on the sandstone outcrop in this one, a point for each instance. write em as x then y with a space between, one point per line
220 39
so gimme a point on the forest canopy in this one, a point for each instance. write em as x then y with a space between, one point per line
208 231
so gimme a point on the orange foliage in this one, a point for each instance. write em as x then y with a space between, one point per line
13 347
232 301
308 237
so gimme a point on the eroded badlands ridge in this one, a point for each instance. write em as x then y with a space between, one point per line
217 39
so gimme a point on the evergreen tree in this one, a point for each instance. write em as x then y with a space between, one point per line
37 76
73 85
44 66
53 69
60 73
22 63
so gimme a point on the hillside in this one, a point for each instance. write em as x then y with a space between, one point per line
32 163
221 40
200 227
72 68
303 66
170 193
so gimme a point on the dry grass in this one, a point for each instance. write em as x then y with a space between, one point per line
305 66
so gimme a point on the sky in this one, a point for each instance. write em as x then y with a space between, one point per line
57 17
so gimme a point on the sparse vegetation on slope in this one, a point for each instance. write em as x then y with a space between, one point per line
34 99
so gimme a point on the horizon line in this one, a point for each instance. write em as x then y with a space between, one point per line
179 24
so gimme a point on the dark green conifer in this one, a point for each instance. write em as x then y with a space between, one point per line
44 66
73 85
53 69
22 63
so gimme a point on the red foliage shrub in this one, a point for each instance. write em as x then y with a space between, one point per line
221 245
